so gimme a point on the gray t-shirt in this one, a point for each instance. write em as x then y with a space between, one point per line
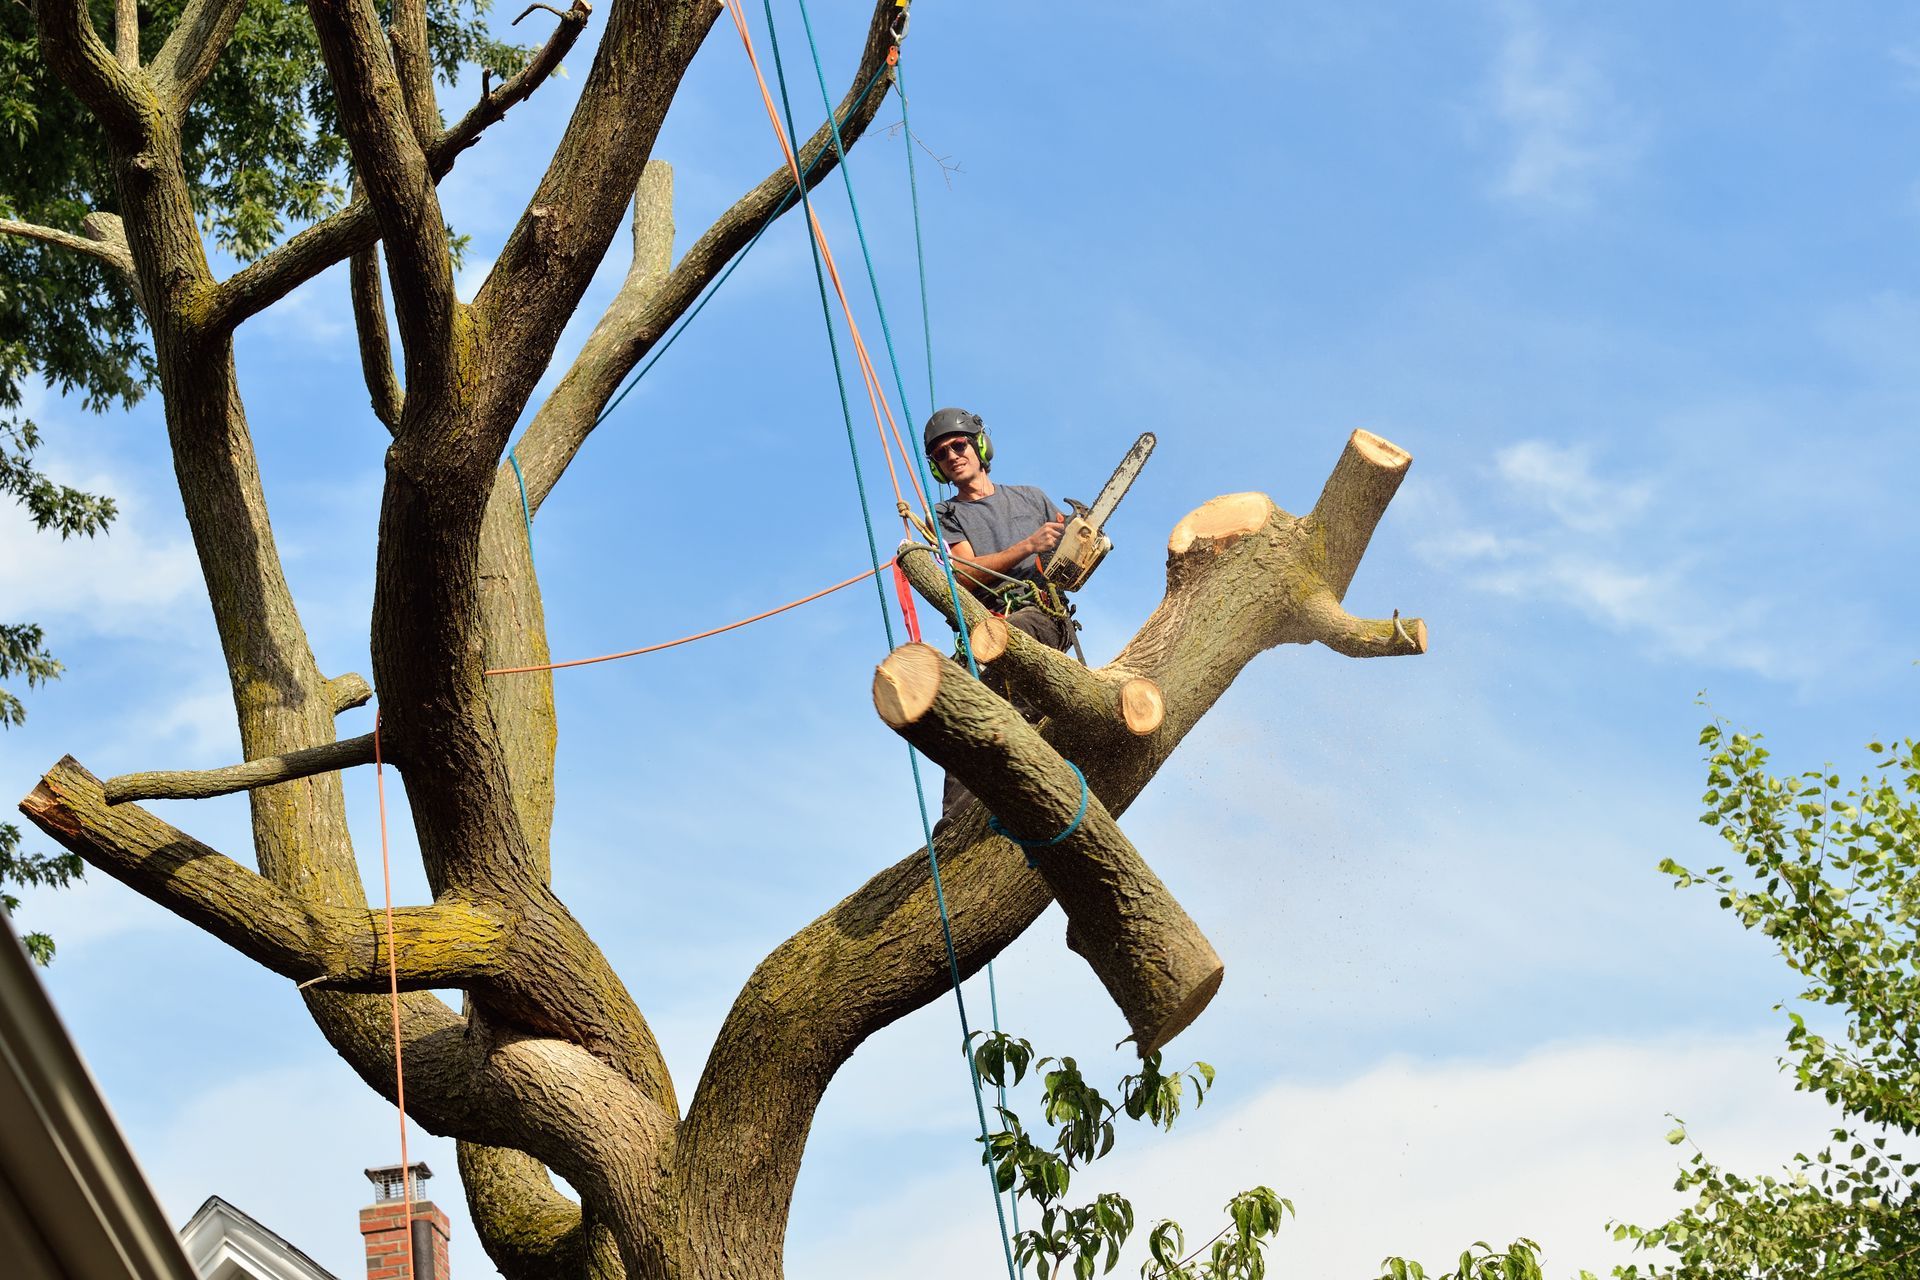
997 521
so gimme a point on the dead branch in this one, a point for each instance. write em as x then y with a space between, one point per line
201 784
113 254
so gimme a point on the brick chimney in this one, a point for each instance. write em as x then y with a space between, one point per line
384 1226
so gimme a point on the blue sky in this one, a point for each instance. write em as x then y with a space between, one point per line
1634 285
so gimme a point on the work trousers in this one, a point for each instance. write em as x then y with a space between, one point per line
1048 629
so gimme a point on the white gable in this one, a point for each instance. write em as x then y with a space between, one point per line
223 1243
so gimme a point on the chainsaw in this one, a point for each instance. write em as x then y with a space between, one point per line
1084 543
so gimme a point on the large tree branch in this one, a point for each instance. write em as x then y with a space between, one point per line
449 944
529 1230
1242 577
202 784
390 163
193 49
651 298
89 68
1150 956
554 248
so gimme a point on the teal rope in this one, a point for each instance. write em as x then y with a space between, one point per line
920 255
1031 845
939 893
786 202
946 561
859 228
873 283
833 346
513 456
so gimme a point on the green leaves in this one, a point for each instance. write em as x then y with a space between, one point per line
54 871
1156 1098
1831 877
1519 1261
23 653
1088 1238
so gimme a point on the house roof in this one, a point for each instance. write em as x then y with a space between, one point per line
73 1204
226 1243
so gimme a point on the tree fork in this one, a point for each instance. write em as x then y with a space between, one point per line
1156 964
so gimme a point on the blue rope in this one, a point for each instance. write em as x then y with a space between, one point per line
1072 827
926 477
939 892
859 228
919 252
513 456
886 332
833 345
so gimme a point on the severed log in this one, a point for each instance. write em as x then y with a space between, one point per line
1153 960
1057 685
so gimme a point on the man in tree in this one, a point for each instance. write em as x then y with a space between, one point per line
998 535
546 1065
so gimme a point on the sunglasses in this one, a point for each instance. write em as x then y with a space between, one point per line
956 447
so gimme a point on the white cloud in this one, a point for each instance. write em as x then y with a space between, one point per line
121 582
1566 130
1564 532
1412 1158
1561 479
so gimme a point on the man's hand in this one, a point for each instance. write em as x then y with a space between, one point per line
1046 537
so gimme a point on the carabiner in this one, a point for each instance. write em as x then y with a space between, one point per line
899 28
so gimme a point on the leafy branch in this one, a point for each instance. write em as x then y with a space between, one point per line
1083 1121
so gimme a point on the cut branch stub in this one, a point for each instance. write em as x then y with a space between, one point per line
1356 495
1154 961
1142 706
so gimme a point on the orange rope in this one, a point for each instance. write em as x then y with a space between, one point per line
393 986
668 644
876 395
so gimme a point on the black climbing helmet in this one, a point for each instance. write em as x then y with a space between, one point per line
956 422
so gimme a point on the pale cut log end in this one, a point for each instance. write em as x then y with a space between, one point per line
1418 630
1230 516
906 683
988 640
1184 1014
1379 452
1142 706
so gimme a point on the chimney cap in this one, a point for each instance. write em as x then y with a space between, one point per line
388 1179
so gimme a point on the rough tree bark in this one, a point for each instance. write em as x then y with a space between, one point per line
549 1065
